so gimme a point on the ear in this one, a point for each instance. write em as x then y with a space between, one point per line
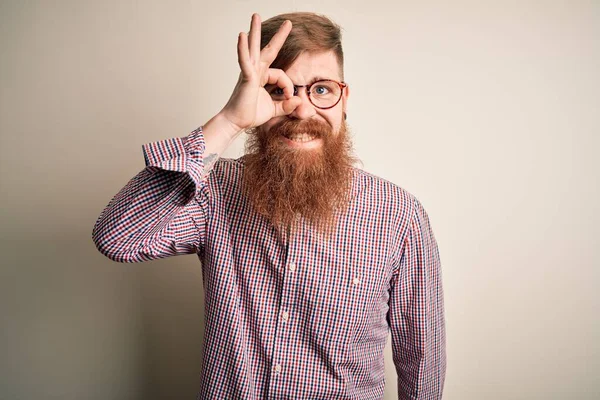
345 97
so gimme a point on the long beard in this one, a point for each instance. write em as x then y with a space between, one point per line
283 183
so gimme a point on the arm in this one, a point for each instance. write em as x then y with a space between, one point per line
163 210
416 314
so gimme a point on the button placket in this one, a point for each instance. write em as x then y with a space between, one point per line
284 312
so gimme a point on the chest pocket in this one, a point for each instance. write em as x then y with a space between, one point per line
337 310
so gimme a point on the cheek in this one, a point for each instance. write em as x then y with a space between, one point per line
266 127
335 121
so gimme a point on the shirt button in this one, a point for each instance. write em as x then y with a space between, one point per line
277 369
285 315
355 281
292 267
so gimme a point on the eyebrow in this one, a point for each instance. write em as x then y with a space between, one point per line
317 78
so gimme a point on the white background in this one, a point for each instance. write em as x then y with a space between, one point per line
488 112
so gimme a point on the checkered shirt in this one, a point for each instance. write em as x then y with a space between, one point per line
290 315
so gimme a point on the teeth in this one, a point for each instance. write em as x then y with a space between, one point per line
303 137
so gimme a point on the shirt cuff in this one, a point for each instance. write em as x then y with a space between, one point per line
174 154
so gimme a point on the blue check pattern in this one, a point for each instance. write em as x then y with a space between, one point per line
290 315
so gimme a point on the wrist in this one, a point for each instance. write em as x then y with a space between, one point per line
224 125
218 134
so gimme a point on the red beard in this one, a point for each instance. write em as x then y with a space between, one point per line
283 182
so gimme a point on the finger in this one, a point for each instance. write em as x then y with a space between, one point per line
270 51
287 107
281 79
244 54
255 29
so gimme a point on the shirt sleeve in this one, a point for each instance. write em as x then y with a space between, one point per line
162 211
416 313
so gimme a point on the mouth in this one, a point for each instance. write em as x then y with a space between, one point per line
300 137
302 141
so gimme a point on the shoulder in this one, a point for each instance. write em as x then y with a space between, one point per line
226 169
224 177
389 200
377 190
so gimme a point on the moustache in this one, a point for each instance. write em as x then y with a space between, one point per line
312 127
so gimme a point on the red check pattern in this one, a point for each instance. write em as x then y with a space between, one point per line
294 315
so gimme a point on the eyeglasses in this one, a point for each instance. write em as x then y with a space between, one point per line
323 94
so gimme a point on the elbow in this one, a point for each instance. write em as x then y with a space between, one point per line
113 250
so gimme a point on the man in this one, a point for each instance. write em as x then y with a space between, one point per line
307 261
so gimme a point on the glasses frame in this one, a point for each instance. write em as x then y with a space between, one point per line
342 86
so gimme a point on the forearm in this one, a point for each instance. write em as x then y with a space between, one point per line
218 133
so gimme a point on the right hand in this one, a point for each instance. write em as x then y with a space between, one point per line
250 105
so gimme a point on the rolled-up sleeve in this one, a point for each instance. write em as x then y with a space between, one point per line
416 313
162 211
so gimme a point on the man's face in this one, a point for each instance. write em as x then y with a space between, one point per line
307 69
287 175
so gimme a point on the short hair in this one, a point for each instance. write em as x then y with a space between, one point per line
313 33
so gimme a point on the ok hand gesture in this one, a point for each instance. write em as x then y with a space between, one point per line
250 105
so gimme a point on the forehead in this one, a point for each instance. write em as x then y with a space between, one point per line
310 65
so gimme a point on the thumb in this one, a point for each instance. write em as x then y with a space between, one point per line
286 107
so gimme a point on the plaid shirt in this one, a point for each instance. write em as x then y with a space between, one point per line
290 316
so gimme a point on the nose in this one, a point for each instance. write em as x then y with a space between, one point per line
306 109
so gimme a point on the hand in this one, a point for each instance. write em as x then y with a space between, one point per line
250 105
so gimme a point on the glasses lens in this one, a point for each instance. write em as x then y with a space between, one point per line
325 93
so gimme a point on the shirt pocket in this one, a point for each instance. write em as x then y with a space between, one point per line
337 313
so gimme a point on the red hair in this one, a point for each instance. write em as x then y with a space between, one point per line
311 32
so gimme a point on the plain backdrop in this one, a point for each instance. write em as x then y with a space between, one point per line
488 112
